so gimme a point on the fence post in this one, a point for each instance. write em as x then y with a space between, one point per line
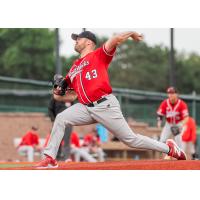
119 97
194 105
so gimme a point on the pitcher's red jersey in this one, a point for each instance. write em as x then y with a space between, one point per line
174 113
89 76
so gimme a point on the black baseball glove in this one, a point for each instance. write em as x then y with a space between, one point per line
59 85
175 130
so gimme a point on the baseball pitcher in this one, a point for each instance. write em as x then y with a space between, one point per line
89 79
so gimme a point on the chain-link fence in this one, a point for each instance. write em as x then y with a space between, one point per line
23 95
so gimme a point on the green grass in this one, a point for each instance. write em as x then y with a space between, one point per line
13 165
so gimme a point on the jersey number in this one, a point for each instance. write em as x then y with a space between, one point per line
90 75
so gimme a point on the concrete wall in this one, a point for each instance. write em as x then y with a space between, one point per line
17 124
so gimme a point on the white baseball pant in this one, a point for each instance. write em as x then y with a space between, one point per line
28 151
167 133
109 114
81 153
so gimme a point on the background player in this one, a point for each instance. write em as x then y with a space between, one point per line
89 78
189 138
175 111
30 144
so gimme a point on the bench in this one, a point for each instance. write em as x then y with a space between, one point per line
118 150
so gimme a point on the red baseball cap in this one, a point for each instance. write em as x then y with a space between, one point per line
172 90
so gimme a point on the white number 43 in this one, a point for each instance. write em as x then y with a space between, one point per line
92 74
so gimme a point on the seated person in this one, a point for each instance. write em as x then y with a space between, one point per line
78 152
92 145
29 144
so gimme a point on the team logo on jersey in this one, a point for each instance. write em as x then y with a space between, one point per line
77 69
171 113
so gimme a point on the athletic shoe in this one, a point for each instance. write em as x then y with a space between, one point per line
175 151
195 156
168 158
47 162
68 160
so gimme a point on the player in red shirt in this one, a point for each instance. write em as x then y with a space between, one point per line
78 152
176 114
189 138
29 144
92 144
74 140
88 77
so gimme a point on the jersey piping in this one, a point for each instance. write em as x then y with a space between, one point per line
171 109
84 89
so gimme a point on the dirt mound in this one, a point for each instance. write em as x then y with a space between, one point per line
125 165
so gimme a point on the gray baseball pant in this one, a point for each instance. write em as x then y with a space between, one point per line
109 114
66 138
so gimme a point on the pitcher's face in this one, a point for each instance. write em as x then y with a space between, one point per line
80 44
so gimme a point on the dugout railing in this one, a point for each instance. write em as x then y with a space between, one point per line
25 95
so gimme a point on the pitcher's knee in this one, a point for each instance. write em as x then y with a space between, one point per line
62 119
59 117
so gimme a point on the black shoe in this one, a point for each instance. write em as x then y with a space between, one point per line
195 156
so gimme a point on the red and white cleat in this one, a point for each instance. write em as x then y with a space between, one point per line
47 162
175 151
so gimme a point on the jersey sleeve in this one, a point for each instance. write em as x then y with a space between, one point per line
105 56
68 82
162 109
184 110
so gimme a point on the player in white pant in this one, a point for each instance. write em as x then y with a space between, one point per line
88 77
167 133
81 153
27 150
175 112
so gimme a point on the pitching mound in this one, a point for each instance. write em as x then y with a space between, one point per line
117 165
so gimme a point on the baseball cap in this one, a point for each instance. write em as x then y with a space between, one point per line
85 34
35 128
172 90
